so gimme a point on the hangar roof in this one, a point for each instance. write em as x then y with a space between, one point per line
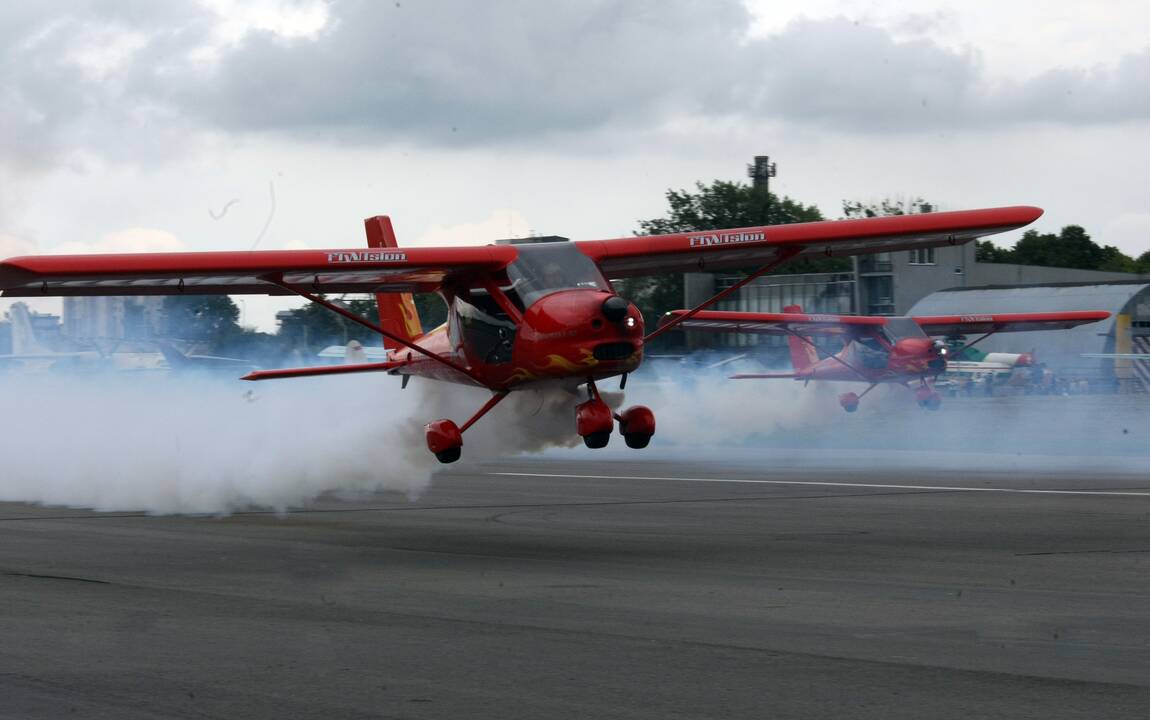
1057 348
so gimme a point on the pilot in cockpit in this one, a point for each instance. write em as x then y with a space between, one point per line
871 352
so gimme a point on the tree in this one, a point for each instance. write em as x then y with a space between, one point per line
987 251
722 204
313 327
886 207
1070 248
210 319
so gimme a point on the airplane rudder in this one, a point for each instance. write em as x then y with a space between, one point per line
397 312
803 354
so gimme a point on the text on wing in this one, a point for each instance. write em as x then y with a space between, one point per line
365 256
726 238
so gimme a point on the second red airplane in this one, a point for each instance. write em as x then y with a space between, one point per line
875 350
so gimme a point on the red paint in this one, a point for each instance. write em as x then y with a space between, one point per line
511 323
871 353
593 416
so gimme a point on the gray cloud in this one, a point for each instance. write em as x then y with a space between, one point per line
457 72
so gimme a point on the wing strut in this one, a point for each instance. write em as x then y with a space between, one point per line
832 356
785 254
974 342
344 312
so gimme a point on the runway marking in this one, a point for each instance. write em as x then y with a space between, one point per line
828 483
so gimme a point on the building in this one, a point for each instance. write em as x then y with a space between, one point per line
1063 351
112 318
891 283
45 329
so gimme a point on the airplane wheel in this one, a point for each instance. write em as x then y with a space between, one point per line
637 425
637 441
597 440
449 455
849 401
445 440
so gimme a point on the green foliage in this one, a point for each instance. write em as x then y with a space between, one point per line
854 209
1070 248
987 251
431 309
724 204
721 204
211 319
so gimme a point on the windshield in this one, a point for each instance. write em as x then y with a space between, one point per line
897 328
548 267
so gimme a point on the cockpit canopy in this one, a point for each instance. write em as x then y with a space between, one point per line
550 267
898 328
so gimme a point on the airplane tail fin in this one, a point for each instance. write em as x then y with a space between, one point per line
172 356
803 353
24 340
397 313
354 354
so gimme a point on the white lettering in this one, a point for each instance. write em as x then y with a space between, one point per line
366 256
726 238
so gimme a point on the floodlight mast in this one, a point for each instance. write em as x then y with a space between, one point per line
761 172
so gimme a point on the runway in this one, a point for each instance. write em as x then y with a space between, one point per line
598 586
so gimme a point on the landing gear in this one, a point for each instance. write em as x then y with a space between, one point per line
849 401
597 440
927 397
637 425
594 422
445 438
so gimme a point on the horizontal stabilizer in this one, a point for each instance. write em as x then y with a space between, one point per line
321 370
765 376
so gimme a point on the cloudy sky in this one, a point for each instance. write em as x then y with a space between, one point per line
214 124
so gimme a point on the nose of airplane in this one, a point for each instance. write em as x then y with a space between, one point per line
585 327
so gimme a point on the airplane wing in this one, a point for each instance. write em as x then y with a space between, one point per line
323 370
247 273
1117 356
758 246
771 323
1006 322
426 269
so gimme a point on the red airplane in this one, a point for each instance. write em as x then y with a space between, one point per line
519 315
875 350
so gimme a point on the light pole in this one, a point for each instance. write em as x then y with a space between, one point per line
761 172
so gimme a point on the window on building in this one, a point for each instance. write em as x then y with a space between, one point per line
922 256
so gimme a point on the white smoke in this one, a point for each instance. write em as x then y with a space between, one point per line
172 444
133 441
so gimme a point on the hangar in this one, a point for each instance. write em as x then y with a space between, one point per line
1127 330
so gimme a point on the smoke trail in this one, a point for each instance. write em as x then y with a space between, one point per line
175 444
703 415
132 441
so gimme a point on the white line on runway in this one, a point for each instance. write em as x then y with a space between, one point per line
877 486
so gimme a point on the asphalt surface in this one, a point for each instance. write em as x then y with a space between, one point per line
596 588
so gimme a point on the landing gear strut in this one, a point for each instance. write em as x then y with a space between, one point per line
445 438
850 400
594 422
593 419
